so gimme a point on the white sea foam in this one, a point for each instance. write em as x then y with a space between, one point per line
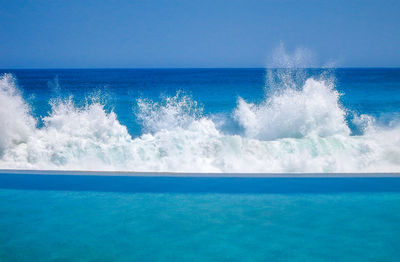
16 122
177 111
295 130
312 111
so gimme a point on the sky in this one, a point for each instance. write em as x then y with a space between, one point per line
158 34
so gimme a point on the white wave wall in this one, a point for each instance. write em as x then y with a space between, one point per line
312 111
16 122
295 130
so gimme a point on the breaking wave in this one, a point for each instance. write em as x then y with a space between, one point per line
302 129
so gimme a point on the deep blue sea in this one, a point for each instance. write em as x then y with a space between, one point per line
201 120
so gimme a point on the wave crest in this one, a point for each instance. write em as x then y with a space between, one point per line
177 111
15 119
313 110
296 130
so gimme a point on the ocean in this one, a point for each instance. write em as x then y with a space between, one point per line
201 120
54 217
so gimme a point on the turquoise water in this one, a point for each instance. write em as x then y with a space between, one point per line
351 220
200 121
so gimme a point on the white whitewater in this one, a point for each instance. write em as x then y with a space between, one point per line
294 130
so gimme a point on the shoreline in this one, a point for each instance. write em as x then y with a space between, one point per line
196 174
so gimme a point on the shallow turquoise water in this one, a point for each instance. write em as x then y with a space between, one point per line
45 225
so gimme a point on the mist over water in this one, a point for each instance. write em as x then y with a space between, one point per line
299 125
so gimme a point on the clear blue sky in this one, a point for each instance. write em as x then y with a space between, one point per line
69 33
